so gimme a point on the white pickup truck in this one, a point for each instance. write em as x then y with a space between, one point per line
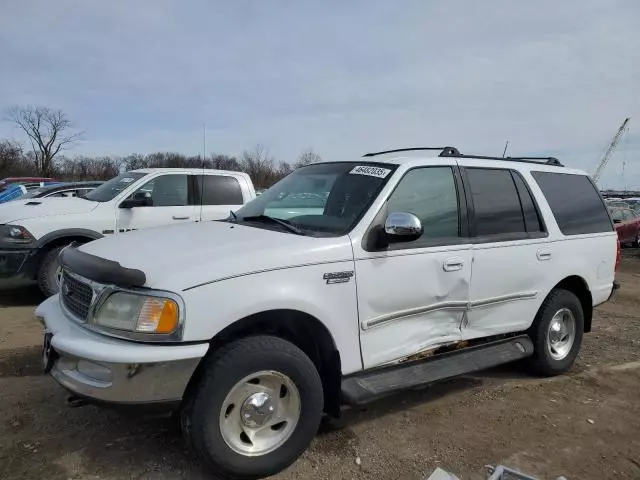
343 282
34 231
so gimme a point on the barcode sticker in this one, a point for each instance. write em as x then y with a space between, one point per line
370 171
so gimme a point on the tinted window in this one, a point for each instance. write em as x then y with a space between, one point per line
496 202
532 219
430 194
575 203
166 191
220 190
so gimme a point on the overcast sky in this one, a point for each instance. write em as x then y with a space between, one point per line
552 77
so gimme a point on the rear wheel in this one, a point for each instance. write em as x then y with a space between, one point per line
256 408
50 271
557 333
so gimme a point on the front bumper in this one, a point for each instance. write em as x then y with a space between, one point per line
16 264
115 371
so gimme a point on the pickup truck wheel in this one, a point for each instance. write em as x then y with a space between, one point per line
49 272
257 407
557 333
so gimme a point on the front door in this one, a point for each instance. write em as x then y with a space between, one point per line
169 204
412 296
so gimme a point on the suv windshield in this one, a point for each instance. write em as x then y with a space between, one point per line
327 198
110 189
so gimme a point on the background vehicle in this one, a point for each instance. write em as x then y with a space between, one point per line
415 266
627 222
32 234
15 191
22 180
69 189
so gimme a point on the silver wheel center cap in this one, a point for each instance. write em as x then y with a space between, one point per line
257 410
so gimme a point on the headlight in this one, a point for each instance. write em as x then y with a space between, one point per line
15 234
138 313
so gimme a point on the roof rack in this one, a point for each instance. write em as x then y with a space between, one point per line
541 160
446 151
454 152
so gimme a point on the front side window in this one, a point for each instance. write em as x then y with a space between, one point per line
112 188
165 191
496 203
320 199
430 194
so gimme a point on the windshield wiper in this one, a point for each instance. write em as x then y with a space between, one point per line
233 215
267 218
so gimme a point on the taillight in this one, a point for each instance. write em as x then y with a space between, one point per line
618 255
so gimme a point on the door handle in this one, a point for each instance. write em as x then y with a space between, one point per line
452 265
176 217
543 255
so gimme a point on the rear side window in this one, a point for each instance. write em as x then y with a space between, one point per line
496 202
219 190
575 203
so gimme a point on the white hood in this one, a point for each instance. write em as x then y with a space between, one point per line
178 257
10 212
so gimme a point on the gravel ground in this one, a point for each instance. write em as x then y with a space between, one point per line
583 425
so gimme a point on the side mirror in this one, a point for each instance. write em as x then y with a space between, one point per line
402 227
138 199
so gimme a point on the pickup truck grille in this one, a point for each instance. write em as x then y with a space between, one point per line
76 296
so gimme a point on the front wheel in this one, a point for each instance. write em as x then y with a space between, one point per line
557 333
49 272
256 408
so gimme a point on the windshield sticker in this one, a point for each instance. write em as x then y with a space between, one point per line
370 171
127 180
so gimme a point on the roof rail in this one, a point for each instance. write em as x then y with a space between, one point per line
454 152
541 160
446 151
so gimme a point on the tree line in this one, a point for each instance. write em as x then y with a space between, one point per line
48 135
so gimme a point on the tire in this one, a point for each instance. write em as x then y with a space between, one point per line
48 271
552 355
213 433
636 242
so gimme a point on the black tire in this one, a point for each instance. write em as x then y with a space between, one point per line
542 362
47 272
222 371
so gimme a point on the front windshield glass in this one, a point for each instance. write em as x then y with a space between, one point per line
110 189
325 198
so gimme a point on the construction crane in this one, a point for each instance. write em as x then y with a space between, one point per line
610 149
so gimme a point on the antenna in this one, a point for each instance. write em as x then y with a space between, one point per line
204 159
504 152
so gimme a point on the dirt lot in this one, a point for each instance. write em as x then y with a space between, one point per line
584 425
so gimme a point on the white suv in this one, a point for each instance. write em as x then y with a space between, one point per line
344 282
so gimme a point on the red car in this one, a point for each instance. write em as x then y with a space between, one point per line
627 224
22 180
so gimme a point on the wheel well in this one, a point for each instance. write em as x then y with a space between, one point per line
51 244
579 288
303 330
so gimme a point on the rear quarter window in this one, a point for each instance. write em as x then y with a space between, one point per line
575 203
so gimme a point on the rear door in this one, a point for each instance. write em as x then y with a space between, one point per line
511 253
171 202
217 195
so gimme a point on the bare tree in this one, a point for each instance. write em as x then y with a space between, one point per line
48 133
307 157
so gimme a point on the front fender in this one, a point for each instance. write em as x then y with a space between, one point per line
213 307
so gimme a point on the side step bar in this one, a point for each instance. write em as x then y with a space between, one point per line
367 386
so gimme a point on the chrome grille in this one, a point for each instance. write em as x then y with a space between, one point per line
76 296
